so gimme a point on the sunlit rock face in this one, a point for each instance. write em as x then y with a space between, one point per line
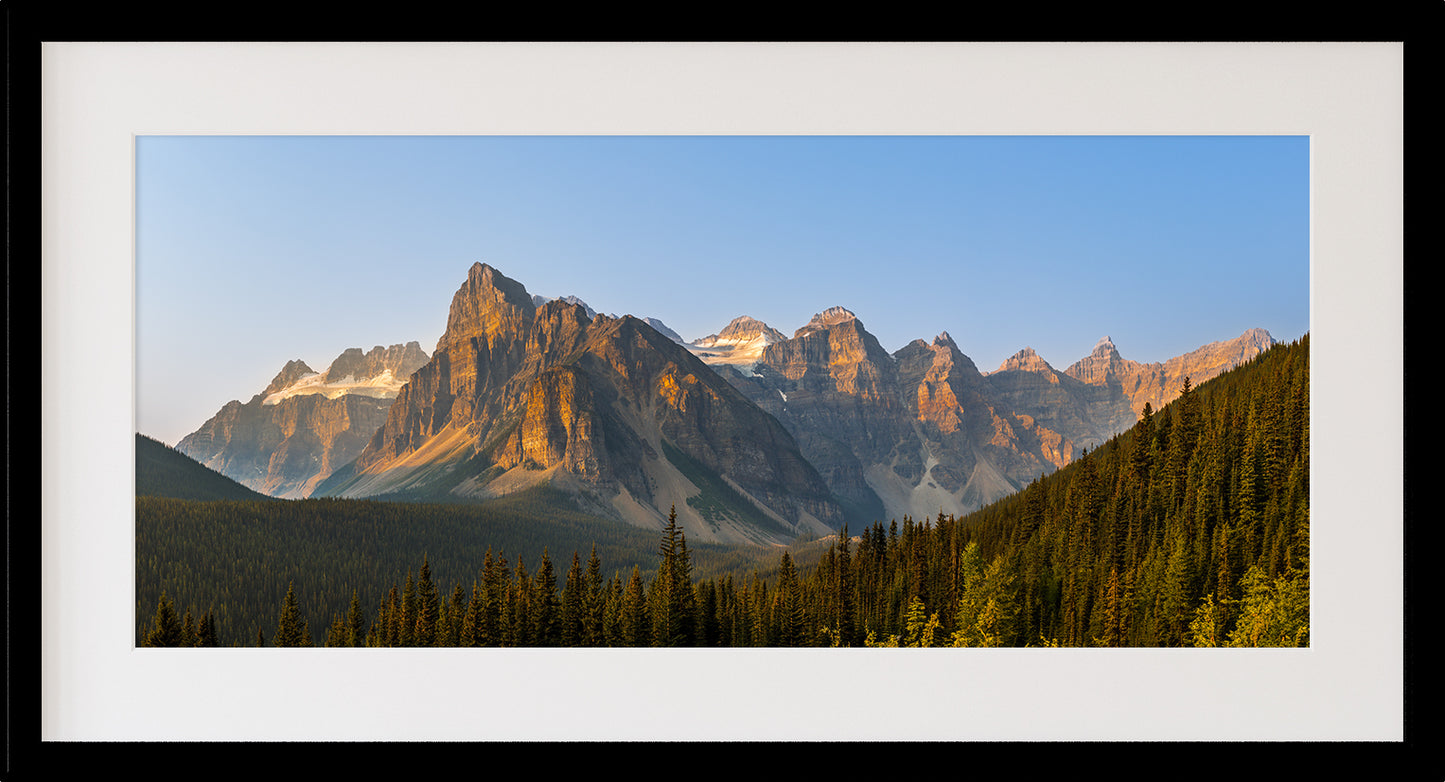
741 343
305 424
517 394
1159 384
910 433
1104 393
923 430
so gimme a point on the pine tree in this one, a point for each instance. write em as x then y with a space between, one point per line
166 630
473 626
406 614
355 622
206 631
428 611
573 605
612 613
788 616
593 604
188 630
336 633
633 621
672 603
518 624
545 608
456 616
292 631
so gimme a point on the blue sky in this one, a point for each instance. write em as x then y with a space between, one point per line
251 251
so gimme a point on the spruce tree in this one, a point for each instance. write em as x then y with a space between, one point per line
336 633
593 604
473 626
291 631
355 622
456 616
633 621
788 605
206 631
428 609
546 624
166 630
406 615
573 600
188 630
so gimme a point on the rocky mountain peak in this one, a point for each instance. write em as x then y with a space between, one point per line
1025 360
943 340
664 330
351 362
1105 348
379 373
829 317
399 360
538 300
1259 339
489 304
294 370
744 328
1101 365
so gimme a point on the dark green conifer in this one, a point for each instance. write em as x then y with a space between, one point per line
545 608
206 631
166 630
594 600
633 621
292 630
573 599
355 622
428 609
406 616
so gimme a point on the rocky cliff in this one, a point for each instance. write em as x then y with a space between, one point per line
923 430
1104 393
910 433
305 424
1160 383
608 409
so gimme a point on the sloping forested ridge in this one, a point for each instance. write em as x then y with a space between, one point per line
1191 529
162 471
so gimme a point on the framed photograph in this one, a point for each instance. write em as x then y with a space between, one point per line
208 205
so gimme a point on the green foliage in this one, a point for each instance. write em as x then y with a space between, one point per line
162 471
1273 612
1191 528
166 628
292 630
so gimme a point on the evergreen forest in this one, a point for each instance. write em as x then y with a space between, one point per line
1190 529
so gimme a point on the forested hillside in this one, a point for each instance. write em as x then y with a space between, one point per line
1191 529
162 471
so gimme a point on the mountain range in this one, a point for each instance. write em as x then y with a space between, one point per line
750 435
304 424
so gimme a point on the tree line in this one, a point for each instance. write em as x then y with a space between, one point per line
1191 529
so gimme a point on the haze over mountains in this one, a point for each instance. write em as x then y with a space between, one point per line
752 435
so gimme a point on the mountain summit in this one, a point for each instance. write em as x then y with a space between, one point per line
608 410
741 342
304 424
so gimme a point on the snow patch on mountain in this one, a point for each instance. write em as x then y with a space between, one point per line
383 386
740 344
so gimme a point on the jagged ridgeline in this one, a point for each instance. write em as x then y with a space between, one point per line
1190 529
519 395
